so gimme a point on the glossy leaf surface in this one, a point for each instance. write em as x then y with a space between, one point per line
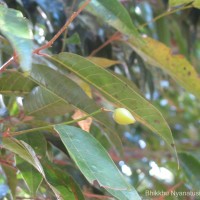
93 160
118 92
68 91
113 13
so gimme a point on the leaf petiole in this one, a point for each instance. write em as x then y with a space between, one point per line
52 125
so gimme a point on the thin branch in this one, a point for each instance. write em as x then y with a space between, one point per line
114 37
163 15
66 30
73 16
7 163
52 125
50 43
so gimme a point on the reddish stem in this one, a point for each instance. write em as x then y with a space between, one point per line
115 36
7 163
50 43
73 16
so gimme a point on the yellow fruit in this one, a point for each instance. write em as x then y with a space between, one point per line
123 116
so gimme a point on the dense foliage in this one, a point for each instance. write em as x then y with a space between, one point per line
62 76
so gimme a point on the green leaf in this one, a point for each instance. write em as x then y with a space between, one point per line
118 92
175 65
30 175
23 150
16 28
26 152
173 3
67 90
196 4
62 182
29 172
82 147
14 83
190 166
114 14
74 39
37 141
103 62
42 103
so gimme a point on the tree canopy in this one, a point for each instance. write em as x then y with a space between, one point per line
99 99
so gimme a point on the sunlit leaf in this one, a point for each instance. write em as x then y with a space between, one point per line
175 65
16 28
172 3
113 13
93 161
190 166
118 92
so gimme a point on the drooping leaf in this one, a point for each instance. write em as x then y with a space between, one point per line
61 181
113 13
173 3
23 150
42 103
37 141
67 90
175 65
118 92
190 166
93 161
26 152
14 83
30 175
16 28
103 62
